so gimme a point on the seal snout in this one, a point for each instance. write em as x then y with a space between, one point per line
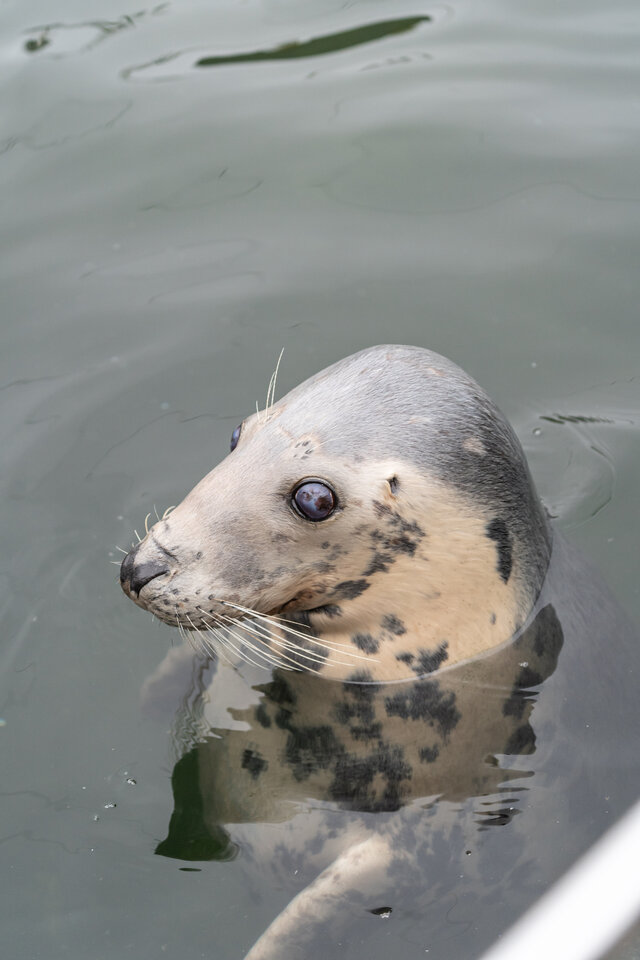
134 575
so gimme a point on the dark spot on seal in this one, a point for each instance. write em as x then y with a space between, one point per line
394 483
425 701
395 542
327 610
281 538
492 619
379 564
366 691
278 691
359 676
430 660
262 716
497 530
400 537
396 520
302 617
393 624
254 763
338 550
429 754
365 642
405 657
350 589
325 545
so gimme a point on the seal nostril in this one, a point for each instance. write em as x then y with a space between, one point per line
144 574
138 575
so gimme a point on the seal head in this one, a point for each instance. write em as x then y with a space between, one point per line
380 519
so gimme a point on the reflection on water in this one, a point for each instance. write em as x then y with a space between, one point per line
362 747
318 46
68 38
286 779
294 50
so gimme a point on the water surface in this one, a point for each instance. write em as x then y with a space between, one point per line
186 189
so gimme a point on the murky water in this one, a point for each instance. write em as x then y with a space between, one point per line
188 188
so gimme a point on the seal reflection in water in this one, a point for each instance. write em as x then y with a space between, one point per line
375 541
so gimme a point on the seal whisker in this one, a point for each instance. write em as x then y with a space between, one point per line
146 523
241 653
276 658
262 632
277 622
138 536
320 642
273 658
121 550
271 391
216 645
204 644
191 640
156 512
167 512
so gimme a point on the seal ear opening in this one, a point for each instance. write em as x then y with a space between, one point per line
394 484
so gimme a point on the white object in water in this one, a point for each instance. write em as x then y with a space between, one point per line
589 909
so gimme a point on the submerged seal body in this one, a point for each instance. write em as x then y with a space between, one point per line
375 540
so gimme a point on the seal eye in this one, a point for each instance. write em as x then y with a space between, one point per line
235 436
314 500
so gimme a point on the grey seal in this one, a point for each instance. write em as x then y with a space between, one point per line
440 662
384 505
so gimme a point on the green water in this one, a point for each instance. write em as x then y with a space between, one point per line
188 188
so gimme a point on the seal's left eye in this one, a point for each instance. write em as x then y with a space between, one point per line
315 500
235 436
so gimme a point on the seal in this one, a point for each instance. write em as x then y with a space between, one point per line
374 540
384 506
